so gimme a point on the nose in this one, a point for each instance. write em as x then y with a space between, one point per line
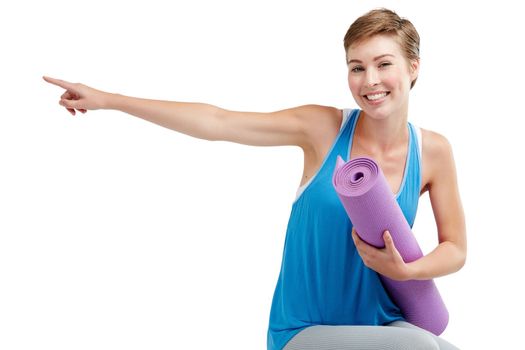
372 77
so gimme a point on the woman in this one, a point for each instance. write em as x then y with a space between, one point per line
328 294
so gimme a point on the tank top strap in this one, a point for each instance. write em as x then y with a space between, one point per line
344 142
408 197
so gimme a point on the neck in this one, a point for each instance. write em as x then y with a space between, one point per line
382 135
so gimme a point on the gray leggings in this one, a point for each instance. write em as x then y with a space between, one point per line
398 335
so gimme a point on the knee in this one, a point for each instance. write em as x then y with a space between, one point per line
418 338
424 341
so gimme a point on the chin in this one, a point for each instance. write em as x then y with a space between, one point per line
375 113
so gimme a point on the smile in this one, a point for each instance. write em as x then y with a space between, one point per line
376 96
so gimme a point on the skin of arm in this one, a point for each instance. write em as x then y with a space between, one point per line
213 123
302 126
450 254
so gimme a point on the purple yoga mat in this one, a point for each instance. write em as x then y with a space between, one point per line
372 208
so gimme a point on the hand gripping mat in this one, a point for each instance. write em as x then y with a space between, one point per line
372 208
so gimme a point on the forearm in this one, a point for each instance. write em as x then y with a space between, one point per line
195 119
447 258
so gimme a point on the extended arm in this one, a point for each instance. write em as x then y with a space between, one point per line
294 126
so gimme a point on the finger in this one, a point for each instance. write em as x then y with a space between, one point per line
83 110
358 242
62 83
70 104
354 234
69 95
66 104
389 242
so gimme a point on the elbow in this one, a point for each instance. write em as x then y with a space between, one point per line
462 261
208 123
461 258
217 126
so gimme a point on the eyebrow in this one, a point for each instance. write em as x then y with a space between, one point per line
375 58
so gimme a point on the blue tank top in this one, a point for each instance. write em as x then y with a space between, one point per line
323 280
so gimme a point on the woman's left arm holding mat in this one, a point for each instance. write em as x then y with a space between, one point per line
450 254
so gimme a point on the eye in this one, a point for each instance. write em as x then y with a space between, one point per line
384 64
357 69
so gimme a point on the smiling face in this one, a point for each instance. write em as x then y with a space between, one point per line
380 76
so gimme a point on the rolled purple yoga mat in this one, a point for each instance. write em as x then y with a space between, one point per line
372 208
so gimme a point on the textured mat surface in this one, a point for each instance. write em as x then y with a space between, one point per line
372 208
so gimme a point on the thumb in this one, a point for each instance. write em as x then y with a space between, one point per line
389 242
76 104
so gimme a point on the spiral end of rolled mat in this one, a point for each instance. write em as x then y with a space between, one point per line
355 177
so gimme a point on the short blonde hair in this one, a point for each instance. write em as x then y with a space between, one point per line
384 21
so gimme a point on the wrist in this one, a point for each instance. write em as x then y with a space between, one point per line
412 271
111 101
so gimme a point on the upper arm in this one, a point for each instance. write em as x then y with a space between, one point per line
443 190
293 126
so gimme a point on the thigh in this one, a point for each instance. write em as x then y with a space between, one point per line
362 338
443 344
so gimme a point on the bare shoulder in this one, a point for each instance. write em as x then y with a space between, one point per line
435 144
318 114
438 157
320 123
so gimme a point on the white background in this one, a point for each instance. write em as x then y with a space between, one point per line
116 233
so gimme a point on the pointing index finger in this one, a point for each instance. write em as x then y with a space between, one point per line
62 83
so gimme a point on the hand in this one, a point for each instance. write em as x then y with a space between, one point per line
78 96
385 261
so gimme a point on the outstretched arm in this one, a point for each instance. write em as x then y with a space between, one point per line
294 126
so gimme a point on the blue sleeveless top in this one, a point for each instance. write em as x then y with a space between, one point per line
323 280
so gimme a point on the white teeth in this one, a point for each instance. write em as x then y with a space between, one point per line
376 96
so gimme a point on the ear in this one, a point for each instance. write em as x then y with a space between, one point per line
414 69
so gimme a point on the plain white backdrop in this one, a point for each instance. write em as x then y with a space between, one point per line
116 233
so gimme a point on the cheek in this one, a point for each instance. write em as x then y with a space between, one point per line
354 84
396 79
